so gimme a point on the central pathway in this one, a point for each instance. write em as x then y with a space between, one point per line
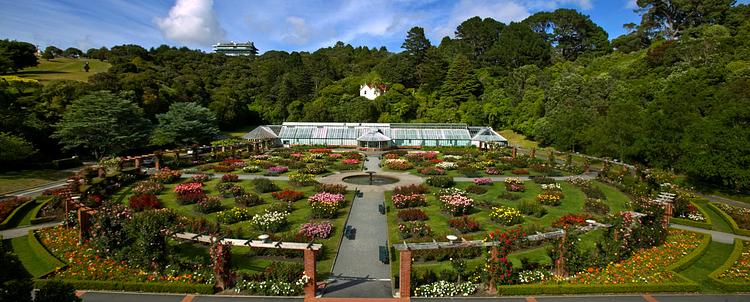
358 271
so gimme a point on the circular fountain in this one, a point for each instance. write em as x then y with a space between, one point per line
370 179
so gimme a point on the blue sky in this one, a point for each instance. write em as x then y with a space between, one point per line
272 25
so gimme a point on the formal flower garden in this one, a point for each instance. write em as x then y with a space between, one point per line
315 161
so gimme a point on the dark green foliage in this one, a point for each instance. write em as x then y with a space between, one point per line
57 291
15 282
16 55
185 124
440 181
572 33
149 246
264 185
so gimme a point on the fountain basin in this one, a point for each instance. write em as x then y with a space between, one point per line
377 180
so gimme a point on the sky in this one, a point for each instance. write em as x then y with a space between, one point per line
272 24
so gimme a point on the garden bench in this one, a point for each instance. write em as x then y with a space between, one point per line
381 208
350 232
383 253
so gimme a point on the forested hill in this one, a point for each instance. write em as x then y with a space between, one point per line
674 92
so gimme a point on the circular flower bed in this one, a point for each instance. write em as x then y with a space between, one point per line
506 215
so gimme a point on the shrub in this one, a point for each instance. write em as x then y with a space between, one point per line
200 177
223 169
230 178
208 204
411 189
596 206
464 224
570 220
57 291
543 180
325 205
276 170
411 214
188 193
269 221
457 204
519 172
450 191
407 201
264 185
398 164
469 172
148 187
301 179
440 181
142 202
414 229
233 215
493 171
506 215
252 169
444 288
288 195
316 230
331 188
7 205
531 208
248 200
550 197
447 165
314 169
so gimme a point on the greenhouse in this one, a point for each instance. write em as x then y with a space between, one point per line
377 135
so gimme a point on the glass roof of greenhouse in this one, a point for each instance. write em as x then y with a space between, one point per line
355 131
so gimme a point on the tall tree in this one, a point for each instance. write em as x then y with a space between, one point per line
670 17
518 46
72 52
571 33
416 44
184 124
13 147
15 55
479 34
102 123
461 83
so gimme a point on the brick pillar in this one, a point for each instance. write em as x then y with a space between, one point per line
667 214
137 162
309 260
494 254
84 224
404 272
515 150
533 153
157 162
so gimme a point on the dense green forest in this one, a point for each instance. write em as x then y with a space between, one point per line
673 92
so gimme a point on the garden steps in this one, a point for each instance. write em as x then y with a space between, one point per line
716 254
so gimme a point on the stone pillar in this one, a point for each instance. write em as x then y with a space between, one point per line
309 260
560 262
137 162
515 151
404 273
494 254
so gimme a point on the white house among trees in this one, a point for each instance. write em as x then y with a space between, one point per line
371 91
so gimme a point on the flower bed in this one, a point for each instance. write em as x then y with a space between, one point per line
148 187
233 215
464 224
7 205
411 189
570 220
301 179
408 201
493 171
189 192
230 178
398 164
288 195
316 230
325 205
84 264
739 272
482 181
446 165
350 161
411 214
208 204
276 170
506 215
457 204
142 202
450 191
166 176
414 229
200 177
740 215
646 265
550 197
431 171
444 288
514 185
269 221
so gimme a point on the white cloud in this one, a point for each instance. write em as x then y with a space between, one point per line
503 11
192 22
631 4
298 33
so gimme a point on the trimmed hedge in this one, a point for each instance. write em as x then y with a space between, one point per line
17 214
708 224
713 277
41 251
35 212
693 257
133 286
736 229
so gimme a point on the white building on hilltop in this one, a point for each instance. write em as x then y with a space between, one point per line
371 91
233 49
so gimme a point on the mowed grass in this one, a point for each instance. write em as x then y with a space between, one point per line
36 264
300 214
63 69
716 254
11 181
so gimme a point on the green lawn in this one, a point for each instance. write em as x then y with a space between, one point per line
616 199
716 254
18 180
301 214
63 69
519 140
717 221
36 263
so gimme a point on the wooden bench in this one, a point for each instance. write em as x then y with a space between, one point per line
383 253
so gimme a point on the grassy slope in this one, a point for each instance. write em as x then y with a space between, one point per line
299 215
63 69
718 223
18 180
37 265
